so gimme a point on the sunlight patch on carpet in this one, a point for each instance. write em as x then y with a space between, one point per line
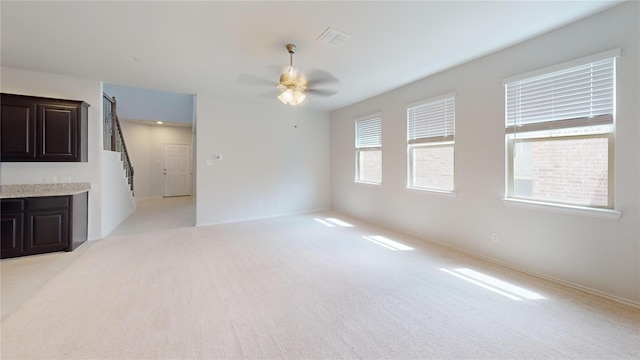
492 284
387 243
325 223
333 222
339 222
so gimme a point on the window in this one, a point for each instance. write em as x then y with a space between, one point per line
430 143
369 149
559 134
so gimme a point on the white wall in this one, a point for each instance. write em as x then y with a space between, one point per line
194 146
275 160
116 192
144 144
594 253
55 86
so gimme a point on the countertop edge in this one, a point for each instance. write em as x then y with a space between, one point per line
42 190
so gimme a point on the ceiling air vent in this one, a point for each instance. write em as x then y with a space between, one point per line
333 37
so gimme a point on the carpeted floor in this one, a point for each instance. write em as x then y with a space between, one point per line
306 286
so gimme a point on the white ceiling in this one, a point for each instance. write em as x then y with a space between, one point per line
204 47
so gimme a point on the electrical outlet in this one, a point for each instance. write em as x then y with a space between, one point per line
494 237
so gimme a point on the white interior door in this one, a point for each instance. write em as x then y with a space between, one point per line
176 163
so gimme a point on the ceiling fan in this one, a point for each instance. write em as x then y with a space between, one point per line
294 85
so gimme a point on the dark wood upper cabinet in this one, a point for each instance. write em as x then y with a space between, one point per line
43 129
57 132
17 127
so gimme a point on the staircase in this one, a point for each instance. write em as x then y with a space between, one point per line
113 139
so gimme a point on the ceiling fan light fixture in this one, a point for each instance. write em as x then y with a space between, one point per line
298 97
294 85
286 96
292 97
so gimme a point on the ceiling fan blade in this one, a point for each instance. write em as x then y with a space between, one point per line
248 79
276 70
273 94
324 93
317 76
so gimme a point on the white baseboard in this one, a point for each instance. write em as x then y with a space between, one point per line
262 217
538 275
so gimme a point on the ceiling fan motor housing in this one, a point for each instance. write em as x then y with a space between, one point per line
290 80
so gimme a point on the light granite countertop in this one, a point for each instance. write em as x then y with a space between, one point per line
36 190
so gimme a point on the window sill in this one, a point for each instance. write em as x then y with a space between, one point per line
433 191
368 183
568 209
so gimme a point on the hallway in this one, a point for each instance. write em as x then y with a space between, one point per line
157 214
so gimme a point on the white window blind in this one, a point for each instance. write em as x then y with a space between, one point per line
369 133
559 132
577 96
433 121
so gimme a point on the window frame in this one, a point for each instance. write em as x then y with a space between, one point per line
359 150
533 131
410 168
510 178
430 141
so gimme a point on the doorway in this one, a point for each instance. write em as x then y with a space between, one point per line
176 170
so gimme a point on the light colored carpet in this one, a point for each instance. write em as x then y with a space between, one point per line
295 287
155 214
23 276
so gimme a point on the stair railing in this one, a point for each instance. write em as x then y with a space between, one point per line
113 139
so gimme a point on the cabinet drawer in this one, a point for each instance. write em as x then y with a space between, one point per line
12 205
47 203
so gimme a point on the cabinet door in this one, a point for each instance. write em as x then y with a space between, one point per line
12 238
46 231
57 133
17 129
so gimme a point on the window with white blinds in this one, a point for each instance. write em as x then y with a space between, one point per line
567 98
369 132
430 144
431 121
368 146
559 132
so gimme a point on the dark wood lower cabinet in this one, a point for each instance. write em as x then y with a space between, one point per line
12 236
47 231
40 225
